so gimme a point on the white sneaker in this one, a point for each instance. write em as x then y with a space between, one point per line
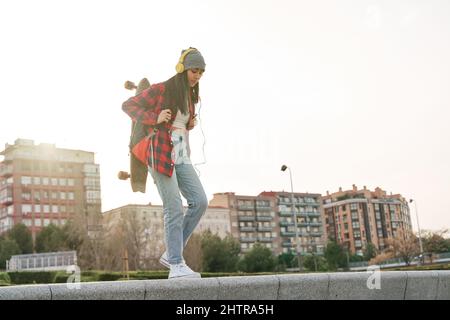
181 270
164 261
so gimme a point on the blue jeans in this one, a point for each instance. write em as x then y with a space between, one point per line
178 227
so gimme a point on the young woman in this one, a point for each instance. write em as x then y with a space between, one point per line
168 109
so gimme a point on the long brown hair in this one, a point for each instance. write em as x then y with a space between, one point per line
176 93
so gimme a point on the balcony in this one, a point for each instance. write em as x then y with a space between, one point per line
303 224
247 229
287 233
287 244
265 239
246 218
265 229
313 214
285 214
246 206
284 201
315 234
263 218
286 223
315 224
263 208
247 239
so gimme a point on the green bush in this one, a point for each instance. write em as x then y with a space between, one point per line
61 277
109 276
4 279
28 277
148 275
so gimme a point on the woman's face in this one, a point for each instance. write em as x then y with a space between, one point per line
194 76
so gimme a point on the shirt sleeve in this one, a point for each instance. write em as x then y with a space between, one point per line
141 108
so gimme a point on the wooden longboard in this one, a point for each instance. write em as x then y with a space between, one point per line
138 171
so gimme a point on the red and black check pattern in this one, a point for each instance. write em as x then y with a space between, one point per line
145 108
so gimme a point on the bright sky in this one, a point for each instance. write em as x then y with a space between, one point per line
343 92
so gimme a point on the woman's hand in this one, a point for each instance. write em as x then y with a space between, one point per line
192 122
164 116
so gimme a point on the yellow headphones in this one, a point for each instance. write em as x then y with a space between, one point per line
180 66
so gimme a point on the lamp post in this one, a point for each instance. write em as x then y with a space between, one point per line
299 257
418 228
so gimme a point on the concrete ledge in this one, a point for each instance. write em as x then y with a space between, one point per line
304 286
422 285
187 289
26 292
388 285
108 290
248 288
366 286
444 286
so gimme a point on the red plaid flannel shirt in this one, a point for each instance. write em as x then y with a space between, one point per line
145 108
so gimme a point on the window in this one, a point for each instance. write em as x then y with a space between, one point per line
37 180
37 196
54 181
62 195
25 180
62 182
70 195
37 208
54 195
46 208
70 182
38 223
26 208
26 195
45 181
55 209
355 225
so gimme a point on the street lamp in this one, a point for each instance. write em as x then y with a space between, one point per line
299 257
418 227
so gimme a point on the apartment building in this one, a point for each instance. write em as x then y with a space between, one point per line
355 218
252 219
307 209
43 184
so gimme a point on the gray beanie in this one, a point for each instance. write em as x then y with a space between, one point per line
194 60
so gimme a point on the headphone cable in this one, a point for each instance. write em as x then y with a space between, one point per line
204 139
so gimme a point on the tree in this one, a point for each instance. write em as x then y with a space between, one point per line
219 255
335 256
405 248
22 236
286 260
8 248
52 239
192 253
258 259
370 252
434 242
310 262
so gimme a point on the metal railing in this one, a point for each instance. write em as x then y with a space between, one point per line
42 261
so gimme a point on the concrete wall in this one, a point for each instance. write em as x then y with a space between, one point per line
389 285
